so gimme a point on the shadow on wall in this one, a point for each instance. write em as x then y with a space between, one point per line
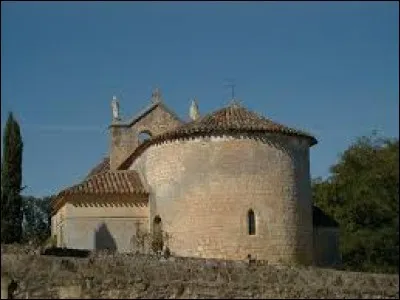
104 239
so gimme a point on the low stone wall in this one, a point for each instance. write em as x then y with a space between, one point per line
28 275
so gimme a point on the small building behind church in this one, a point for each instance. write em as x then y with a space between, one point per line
227 184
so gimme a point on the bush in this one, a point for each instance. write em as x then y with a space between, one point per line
157 243
51 242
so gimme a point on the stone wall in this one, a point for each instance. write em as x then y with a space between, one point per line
58 224
96 223
125 139
122 276
326 246
203 189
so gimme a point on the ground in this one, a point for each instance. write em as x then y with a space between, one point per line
139 276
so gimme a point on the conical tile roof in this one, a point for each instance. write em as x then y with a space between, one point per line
231 119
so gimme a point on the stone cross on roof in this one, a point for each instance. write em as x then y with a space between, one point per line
156 95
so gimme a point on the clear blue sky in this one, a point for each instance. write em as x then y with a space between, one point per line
329 68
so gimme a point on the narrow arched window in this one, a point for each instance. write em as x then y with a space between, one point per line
157 243
251 222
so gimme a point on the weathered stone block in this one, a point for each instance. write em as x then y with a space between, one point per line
70 292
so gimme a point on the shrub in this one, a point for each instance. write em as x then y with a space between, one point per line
51 241
157 243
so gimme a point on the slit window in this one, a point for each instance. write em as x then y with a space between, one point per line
251 222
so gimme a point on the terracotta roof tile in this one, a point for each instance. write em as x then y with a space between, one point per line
109 182
233 118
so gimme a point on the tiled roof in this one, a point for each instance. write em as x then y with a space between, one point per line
230 119
103 166
110 182
233 118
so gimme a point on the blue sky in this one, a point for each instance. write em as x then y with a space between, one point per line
329 68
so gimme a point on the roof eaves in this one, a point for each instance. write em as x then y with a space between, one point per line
196 132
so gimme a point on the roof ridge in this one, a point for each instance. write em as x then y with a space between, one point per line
104 173
102 166
144 111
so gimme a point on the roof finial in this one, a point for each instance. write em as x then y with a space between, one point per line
194 110
115 108
156 95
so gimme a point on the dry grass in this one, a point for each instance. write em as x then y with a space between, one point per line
140 276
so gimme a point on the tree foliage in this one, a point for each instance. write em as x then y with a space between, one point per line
36 222
11 179
361 193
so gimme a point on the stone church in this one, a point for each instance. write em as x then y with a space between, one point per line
226 185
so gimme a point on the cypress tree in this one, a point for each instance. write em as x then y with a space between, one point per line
11 180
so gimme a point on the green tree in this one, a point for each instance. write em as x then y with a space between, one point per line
11 179
362 195
36 219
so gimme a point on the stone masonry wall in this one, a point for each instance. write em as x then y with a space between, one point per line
203 189
57 225
99 226
25 274
326 246
124 140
